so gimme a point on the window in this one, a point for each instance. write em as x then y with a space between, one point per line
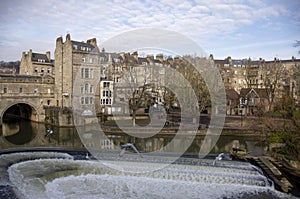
91 100
75 47
105 84
82 73
86 88
21 90
48 70
91 89
36 70
42 70
5 90
82 100
86 73
36 90
83 60
91 73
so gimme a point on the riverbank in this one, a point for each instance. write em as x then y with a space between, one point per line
281 177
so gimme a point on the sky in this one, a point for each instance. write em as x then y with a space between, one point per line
237 28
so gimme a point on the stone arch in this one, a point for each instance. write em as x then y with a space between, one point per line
25 110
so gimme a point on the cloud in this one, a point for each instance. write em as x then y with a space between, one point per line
197 19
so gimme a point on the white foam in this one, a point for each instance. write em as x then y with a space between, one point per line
68 178
9 159
110 186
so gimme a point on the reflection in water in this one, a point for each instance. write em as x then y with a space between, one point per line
31 134
18 133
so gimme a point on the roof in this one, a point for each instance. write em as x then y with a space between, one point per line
37 56
142 60
261 92
232 94
82 44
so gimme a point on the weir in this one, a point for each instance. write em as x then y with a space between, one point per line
53 174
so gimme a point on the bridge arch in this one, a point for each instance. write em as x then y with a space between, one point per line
20 110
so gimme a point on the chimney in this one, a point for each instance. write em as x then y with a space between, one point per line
68 37
30 55
59 40
150 58
160 57
48 56
92 41
176 58
23 55
135 55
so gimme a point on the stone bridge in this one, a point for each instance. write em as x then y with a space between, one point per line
25 96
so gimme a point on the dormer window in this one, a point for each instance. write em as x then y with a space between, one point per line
41 60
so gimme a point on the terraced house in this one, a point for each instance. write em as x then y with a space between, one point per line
94 82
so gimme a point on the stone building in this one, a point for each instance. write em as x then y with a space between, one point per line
278 78
106 96
77 72
36 64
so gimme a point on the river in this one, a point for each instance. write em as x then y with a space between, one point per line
31 134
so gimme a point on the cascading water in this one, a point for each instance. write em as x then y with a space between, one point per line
59 175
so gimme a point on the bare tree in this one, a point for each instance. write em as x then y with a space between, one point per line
187 69
139 86
271 76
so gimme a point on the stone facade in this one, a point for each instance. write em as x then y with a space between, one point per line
82 73
36 64
36 91
77 72
279 78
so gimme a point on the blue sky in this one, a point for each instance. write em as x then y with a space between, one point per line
236 28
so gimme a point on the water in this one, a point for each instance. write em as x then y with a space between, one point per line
30 134
59 175
56 167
